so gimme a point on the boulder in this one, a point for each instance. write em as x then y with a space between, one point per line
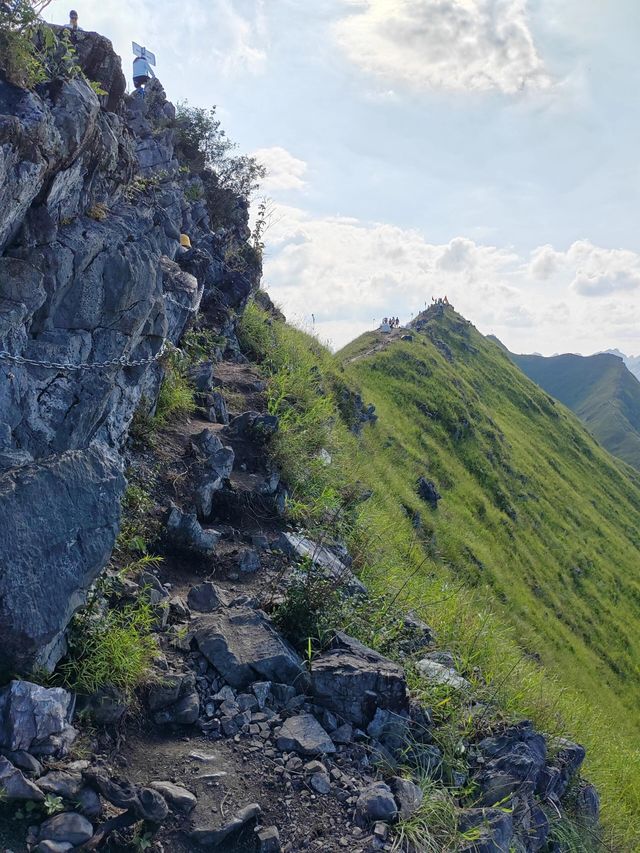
212 455
14 786
513 761
244 647
441 674
353 681
24 761
494 830
268 840
68 827
58 519
61 784
178 797
35 718
213 837
89 803
253 426
428 492
249 562
107 706
145 803
588 802
408 796
206 597
376 803
185 533
555 777
333 560
305 735
175 700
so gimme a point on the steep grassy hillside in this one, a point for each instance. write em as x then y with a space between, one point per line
528 567
535 516
600 390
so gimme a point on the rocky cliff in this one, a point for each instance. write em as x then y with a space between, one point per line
94 288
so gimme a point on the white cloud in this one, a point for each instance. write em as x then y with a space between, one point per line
284 171
602 272
348 274
464 45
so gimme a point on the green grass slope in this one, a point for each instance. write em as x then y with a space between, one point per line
535 517
600 390
527 570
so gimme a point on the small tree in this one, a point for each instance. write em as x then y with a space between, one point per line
20 61
205 145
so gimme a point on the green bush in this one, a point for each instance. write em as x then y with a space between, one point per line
113 648
204 145
176 396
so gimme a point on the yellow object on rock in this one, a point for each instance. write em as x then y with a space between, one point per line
185 241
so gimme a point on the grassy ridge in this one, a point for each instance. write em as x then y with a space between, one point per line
600 390
527 569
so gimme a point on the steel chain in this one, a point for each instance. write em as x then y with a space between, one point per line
122 361
170 298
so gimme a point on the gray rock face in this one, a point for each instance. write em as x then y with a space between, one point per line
376 803
35 718
69 827
92 204
244 647
58 522
353 681
14 786
305 735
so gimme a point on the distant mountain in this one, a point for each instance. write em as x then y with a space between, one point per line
599 389
632 361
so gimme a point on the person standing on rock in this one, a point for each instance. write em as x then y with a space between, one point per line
73 23
142 72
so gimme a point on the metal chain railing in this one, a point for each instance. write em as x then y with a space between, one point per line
188 308
122 361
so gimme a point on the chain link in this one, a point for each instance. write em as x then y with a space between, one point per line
120 362
170 298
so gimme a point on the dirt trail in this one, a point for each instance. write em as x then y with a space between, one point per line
239 770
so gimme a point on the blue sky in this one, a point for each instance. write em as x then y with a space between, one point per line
486 149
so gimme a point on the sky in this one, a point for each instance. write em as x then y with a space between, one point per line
486 150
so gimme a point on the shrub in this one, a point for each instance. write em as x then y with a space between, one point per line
306 611
116 648
176 397
19 59
229 179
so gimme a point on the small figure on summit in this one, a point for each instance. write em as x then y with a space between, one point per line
73 22
142 70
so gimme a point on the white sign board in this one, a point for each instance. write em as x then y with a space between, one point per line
144 53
